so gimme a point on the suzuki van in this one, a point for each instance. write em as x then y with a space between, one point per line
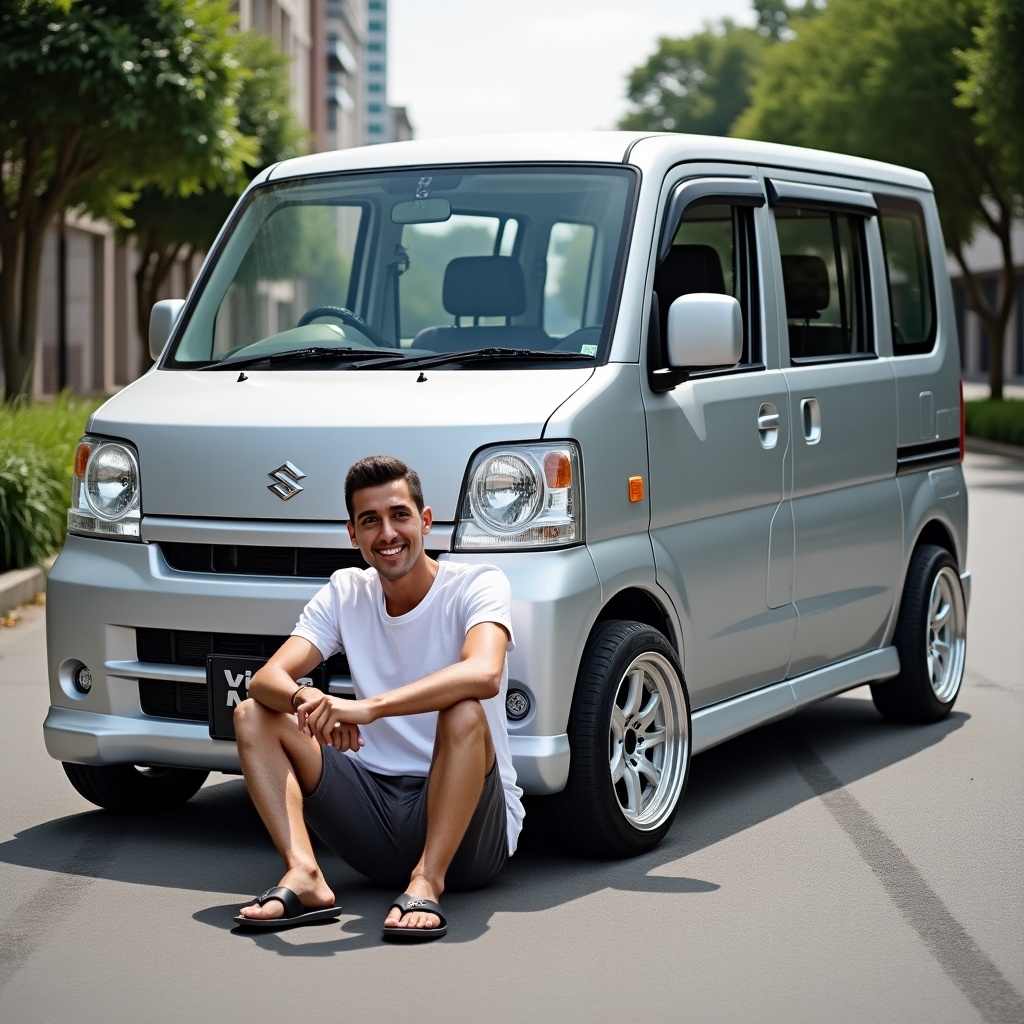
698 398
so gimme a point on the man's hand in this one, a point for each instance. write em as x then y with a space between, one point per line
333 721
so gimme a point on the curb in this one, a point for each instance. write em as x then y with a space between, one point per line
983 447
20 586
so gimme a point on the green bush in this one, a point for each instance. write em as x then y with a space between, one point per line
37 452
996 421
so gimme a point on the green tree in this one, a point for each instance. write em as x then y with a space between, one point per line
878 78
164 226
994 85
699 84
774 17
95 94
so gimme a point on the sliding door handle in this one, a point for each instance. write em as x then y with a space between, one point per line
810 416
768 425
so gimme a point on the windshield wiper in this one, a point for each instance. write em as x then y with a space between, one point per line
481 355
316 353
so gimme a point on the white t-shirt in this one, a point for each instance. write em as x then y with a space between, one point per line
385 651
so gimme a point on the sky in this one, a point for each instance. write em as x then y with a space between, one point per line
467 67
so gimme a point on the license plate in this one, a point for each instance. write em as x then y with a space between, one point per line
227 683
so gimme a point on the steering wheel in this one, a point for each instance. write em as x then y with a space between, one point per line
346 316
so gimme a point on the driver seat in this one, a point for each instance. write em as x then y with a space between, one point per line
482 286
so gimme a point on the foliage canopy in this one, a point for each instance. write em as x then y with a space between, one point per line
164 225
879 79
97 94
700 84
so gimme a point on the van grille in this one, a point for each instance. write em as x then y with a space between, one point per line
165 698
188 702
251 560
188 647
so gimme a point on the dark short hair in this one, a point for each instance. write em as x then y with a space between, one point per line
375 470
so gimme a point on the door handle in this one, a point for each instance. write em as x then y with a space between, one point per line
810 416
768 425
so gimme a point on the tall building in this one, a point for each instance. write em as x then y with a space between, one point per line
381 122
376 122
345 38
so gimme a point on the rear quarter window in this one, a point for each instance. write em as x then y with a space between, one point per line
908 274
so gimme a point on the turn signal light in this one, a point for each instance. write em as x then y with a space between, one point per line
557 470
81 459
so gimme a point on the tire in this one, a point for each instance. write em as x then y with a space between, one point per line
931 638
130 789
629 735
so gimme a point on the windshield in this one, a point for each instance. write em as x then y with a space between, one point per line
415 264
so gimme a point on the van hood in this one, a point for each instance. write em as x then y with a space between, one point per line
209 443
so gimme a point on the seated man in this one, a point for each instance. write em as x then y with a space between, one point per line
412 782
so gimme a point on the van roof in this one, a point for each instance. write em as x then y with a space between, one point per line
648 150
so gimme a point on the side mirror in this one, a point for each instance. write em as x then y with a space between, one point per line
705 330
162 318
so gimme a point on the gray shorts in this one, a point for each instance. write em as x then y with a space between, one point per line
378 824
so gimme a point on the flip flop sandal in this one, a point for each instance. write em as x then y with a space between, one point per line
407 904
295 913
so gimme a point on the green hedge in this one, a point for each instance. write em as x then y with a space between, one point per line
996 421
37 452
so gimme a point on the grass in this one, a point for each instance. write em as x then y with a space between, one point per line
996 421
36 457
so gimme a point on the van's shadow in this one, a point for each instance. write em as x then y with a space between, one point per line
217 844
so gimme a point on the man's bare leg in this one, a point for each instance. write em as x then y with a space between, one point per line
281 764
463 755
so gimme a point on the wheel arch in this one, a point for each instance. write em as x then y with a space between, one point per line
638 605
933 531
939 534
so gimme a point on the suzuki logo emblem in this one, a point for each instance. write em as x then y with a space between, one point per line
286 481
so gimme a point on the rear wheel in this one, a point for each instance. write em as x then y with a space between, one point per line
132 789
629 734
931 637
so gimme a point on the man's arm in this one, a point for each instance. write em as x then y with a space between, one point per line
475 676
273 685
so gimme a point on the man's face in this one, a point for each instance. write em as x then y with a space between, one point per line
388 528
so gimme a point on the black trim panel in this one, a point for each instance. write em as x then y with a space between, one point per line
914 458
798 193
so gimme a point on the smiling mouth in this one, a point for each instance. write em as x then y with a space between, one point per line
389 552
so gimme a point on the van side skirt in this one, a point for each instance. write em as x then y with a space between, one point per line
719 722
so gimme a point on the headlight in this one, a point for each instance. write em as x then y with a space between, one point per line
105 490
522 496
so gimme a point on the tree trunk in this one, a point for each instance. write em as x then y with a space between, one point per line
22 234
15 369
154 268
995 319
19 295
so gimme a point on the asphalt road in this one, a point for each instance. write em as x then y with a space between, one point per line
831 867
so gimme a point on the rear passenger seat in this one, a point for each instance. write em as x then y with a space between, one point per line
806 284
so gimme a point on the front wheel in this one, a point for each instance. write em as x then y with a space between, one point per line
931 637
131 789
629 734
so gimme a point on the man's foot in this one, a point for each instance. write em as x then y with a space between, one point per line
417 889
310 887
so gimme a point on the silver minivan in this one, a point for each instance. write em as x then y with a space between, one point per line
699 398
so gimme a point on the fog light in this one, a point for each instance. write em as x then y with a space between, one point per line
517 705
83 679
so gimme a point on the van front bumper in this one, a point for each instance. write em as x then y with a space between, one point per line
84 737
100 592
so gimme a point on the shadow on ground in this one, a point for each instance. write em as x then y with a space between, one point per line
216 843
